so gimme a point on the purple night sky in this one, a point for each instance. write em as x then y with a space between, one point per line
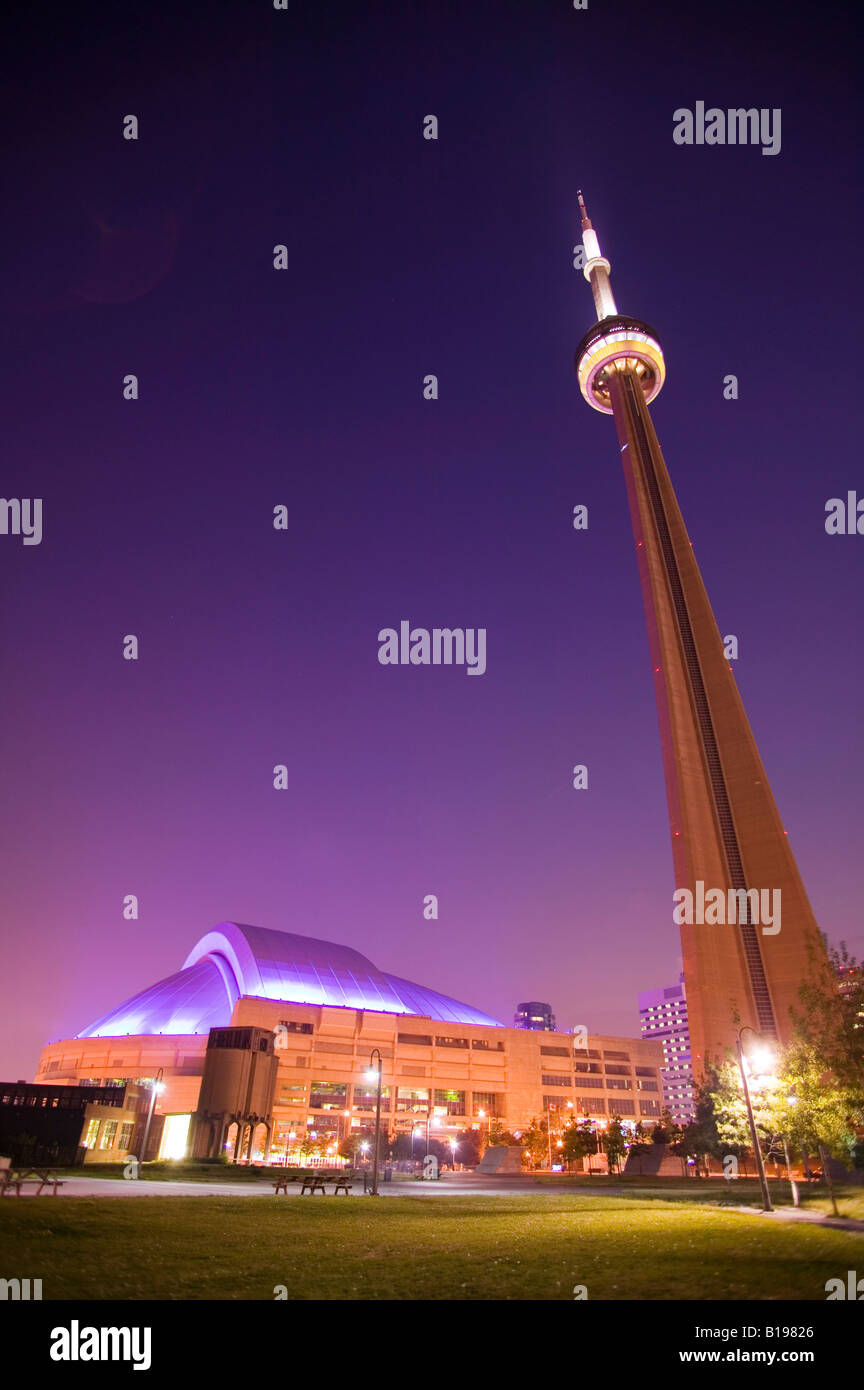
304 388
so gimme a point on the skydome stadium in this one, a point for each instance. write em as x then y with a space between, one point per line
235 960
260 1049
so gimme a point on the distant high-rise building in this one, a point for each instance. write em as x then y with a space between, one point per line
663 1016
539 1018
731 856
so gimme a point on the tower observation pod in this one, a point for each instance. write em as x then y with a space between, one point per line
616 343
743 964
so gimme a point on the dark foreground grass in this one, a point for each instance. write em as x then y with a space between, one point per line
414 1248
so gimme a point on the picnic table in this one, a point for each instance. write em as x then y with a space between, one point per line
313 1181
15 1178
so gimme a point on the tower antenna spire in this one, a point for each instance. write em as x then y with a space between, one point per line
596 268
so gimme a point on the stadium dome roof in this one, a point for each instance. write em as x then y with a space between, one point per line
234 960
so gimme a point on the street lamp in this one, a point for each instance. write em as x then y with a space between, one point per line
763 1053
374 1074
600 1125
549 1132
428 1121
454 1144
157 1086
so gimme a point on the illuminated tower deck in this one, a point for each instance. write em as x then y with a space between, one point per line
726 830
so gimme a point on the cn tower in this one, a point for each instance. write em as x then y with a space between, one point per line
727 834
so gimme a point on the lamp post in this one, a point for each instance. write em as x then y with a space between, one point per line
757 1151
157 1085
374 1074
599 1126
428 1123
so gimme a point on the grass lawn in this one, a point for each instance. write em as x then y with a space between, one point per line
531 1247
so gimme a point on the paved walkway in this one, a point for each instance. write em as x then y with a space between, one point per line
819 1218
450 1185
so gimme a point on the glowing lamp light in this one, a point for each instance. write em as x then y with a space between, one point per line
761 1061
372 1075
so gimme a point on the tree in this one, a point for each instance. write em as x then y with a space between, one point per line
535 1143
442 1151
814 1108
405 1146
579 1141
731 1122
498 1135
831 1017
471 1144
351 1147
615 1143
699 1139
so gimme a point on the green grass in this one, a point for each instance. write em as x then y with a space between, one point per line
483 1248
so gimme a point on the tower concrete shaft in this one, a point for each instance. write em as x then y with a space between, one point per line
727 834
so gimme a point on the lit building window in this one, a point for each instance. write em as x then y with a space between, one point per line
328 1095
109 1133
92 1134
